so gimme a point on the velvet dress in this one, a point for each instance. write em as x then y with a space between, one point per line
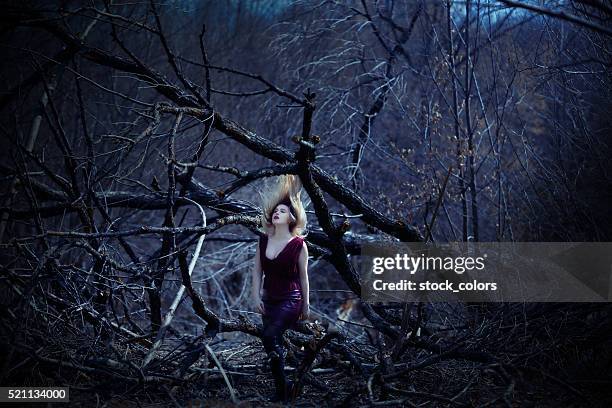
282 293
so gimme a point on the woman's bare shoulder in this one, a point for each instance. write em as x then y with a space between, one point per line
301 243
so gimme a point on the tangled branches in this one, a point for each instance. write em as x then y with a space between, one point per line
128 221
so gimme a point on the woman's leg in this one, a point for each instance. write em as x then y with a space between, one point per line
279 316
273 344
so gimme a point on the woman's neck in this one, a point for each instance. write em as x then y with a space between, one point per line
282 234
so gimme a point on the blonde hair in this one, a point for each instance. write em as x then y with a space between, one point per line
285 189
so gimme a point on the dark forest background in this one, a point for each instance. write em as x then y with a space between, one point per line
136 137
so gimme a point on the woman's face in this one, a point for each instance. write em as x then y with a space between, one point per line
281 215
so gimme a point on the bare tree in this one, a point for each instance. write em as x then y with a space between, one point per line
138 135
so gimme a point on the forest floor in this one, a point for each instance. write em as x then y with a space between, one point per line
448 383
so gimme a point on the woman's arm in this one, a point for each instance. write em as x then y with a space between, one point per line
303 266
256 289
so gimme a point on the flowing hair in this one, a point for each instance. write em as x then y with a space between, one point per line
285 189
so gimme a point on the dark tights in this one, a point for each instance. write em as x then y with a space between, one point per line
279 316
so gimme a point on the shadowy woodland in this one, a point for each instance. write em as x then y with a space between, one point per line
136 138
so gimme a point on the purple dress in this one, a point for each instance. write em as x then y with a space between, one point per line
282 295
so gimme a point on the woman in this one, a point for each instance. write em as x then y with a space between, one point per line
282 257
